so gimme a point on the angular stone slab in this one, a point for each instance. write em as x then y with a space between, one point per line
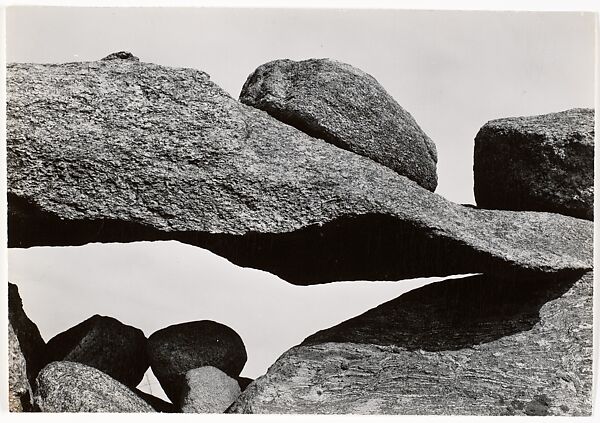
119 151
346 107
67 387
468 346
106 344
542 163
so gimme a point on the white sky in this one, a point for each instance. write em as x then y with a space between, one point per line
453 71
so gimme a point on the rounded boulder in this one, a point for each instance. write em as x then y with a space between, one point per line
177 349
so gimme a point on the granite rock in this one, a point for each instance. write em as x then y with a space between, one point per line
68 387
346 107
19 389
542 163
177 349
471 346
31 343
121 151
208 390
106 344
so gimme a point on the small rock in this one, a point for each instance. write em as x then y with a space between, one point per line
31 343
19 390
346 107
122 55
106 344
67 387
540 163
209 390
177 349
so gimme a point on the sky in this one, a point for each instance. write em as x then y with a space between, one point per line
453 71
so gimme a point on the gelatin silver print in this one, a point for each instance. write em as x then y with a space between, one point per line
300 211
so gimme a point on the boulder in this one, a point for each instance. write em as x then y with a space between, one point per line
19 389
106 344
208 390
120 151
121 55
177 349
31 344
347 108
471 346
68 387
542 163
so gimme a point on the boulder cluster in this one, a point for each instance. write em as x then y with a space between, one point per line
316 175
98 364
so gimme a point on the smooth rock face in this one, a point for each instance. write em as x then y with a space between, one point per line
67 387
19 390
467 346
31 343
177 349
208 390
119 150
346 107
543 163
106 344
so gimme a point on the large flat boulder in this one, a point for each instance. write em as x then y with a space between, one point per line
177 349
542 163
30 340
347 107
68 387
121 150
106 344
477 345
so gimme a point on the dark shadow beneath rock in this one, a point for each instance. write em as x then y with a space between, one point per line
452 314
244 382
365 247
158 404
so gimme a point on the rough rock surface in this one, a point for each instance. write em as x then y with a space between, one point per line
208 390
106 344
119 150
466 346
31 343
19 389
346 107
543 163
67 387
177 349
